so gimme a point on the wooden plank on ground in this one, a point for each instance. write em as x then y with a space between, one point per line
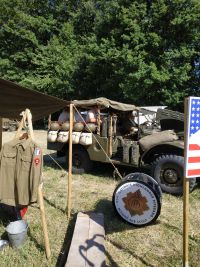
87 246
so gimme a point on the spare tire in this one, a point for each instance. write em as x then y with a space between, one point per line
136 202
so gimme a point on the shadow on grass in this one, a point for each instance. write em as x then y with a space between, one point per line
61 261
53 205
107 170
99 169
198 183
51 159
132 253
33 239
4 221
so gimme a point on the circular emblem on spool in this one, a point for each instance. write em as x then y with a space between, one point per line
143 177
136 202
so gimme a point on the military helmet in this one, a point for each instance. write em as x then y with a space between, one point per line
54 126
90 127
78 127
65 126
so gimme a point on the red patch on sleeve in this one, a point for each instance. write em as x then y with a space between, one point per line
37 161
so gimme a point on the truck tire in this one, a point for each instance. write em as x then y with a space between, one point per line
168 171
81 162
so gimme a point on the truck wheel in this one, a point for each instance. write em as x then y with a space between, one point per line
81 162
168 171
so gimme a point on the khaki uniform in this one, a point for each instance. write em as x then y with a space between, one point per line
20 172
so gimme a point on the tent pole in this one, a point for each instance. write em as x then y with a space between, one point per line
1 129
70 162
44 223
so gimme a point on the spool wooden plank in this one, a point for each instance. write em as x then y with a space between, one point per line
87 246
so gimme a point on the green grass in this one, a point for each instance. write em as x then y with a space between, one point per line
159 244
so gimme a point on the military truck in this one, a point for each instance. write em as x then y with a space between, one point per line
158 144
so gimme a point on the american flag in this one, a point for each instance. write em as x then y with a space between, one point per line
193 138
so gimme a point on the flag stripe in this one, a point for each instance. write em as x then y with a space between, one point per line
193 172
194 153
194 166
194 147
194 160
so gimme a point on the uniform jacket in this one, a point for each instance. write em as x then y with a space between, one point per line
20 172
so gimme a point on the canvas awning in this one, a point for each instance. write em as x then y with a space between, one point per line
14 99
104 103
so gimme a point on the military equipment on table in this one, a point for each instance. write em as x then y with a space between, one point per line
157 143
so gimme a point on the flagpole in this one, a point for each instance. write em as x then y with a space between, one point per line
185 194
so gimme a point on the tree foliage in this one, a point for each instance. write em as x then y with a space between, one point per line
145 52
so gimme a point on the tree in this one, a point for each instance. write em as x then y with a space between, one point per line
37 45
144 52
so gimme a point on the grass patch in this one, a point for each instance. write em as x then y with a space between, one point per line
159 244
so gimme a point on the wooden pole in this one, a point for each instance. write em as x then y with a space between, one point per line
70 162
49 121
1 129
98 122
30 125
110 134
44 223
21 124
185 196
186 223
